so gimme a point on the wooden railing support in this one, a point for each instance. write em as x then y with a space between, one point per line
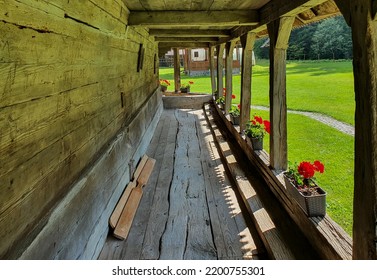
360 15
279 31
229 74
220 67
212 69
177 70
247 42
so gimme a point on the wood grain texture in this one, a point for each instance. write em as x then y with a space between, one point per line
229 75
61 76
206 203
220 68
335 243
279 31
364 30
247 42
212 69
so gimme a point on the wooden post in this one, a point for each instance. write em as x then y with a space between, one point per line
361 17
212 69
247 42
177 70
220 67
229 74
279 32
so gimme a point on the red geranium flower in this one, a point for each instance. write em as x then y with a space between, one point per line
318 166
191 82
306 169
233 96
267 126
258 119
239 106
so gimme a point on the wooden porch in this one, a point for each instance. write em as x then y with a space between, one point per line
191 208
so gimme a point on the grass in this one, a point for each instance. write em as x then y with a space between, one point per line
325 87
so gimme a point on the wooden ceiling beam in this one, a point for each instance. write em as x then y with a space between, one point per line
188 33
194 18
183 45
186 39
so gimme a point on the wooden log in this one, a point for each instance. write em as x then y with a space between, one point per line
220 67
177 70
212 69
361 15
279 31
125 221
229 75
247 42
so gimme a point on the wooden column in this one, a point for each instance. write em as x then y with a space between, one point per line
212 68
229 74
220 67
279 32
361 16
177 70
247 42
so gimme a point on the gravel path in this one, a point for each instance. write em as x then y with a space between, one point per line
341 126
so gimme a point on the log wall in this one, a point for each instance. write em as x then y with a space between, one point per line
74 107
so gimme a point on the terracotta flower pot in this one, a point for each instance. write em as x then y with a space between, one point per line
163 88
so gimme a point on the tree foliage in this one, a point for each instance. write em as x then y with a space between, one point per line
327 39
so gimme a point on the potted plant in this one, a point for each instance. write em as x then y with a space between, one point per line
300 183
164 85
185 87
234 113
255 131
221 102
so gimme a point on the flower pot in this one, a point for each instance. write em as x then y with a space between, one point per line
255 143
163 88
313 205
235 119
185 90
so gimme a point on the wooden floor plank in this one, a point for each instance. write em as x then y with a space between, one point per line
130 248
231 247
133 245
187 234
189 209
160 205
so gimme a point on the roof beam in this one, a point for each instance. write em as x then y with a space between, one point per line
188 33
183 45
278 8
186 39
194 18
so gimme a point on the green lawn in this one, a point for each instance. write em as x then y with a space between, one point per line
324 87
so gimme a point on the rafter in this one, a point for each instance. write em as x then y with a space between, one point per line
194 18
189 33
183 45
187 39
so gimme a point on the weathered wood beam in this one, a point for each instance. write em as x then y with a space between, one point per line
274 10
361 16
183 45
194 18
229 75
247 42
187 39
279 31
220 67
177 70
279 8
212 69
188 33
